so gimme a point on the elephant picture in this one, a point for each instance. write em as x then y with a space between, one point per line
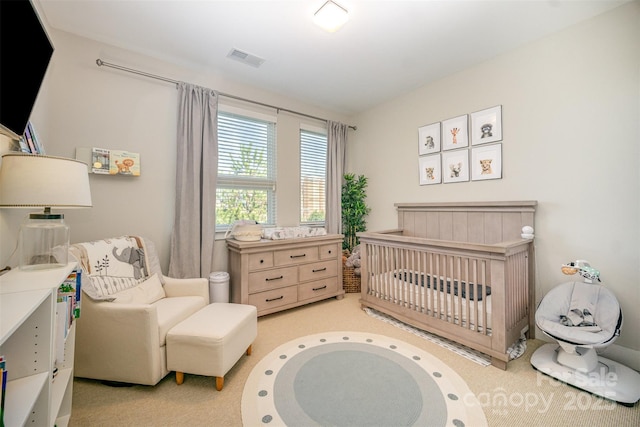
133 256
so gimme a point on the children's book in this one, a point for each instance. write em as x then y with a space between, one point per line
3 388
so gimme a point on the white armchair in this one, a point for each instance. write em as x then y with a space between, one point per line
127 308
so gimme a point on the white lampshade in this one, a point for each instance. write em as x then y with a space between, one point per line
30 181
331 16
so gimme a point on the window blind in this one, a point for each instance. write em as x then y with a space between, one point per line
246 169
313 166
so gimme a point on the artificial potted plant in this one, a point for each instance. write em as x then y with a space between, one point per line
354 212
354 209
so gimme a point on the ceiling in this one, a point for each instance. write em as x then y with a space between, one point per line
386 49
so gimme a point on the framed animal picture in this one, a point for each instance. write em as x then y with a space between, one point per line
486 162
486 126
455 166
429 139
429 169
454 133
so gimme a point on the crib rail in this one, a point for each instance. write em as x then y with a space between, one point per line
475 294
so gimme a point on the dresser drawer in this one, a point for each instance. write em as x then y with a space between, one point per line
317 288
295 256
274 298
329 251
318 270
260 261
271 279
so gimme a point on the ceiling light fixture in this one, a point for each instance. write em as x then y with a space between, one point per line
331 16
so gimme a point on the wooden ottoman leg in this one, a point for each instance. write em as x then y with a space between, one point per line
249 349
179 377
219 383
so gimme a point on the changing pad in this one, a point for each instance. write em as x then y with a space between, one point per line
279 233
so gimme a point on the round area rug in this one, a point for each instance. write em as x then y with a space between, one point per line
356 379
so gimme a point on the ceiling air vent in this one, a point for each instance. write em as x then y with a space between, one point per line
246 58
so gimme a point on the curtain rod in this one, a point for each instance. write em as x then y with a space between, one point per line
101 63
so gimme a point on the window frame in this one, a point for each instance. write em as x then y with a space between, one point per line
269 183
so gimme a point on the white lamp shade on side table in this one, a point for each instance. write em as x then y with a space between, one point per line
30 181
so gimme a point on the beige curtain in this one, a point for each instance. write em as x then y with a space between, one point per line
192 238
336 159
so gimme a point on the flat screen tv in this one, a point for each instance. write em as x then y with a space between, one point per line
25 52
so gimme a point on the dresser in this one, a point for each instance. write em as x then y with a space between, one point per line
275 275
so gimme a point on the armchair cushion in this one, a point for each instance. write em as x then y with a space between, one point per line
147 292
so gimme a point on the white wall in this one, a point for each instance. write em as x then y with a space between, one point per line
571 141
83 105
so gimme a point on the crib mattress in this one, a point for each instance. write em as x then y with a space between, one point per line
450 305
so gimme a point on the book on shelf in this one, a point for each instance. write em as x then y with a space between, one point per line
29 139
23 146
3 387
62 328
36 140
30 142
100 160
70 293
69 299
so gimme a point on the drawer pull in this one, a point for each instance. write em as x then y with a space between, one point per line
320 288
319 269
297 256
268 279
274 299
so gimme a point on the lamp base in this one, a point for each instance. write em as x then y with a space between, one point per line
43 242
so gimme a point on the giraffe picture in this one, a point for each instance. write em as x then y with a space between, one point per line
455 133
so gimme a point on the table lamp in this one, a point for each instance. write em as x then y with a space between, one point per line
29 181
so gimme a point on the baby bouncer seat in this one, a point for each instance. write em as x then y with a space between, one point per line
582 317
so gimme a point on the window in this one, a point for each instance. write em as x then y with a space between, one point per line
246 169
313 167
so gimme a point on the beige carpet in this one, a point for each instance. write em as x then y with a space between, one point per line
519 396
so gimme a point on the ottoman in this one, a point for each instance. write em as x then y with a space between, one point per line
211 340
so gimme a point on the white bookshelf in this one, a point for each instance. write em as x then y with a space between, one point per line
28 342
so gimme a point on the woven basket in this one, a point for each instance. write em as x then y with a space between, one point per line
350 282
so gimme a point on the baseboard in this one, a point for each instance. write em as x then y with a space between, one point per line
624 355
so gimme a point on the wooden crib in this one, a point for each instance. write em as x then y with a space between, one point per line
459 270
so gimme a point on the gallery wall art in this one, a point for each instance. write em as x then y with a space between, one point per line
429 139
430 172
461 148
486 126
